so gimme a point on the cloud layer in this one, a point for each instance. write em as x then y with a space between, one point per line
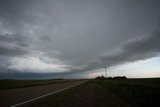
65 37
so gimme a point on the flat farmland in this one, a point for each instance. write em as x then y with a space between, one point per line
13 84
90 93
107 93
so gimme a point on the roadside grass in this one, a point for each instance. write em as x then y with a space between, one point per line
13 84
136 92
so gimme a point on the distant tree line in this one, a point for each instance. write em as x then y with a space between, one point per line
110 78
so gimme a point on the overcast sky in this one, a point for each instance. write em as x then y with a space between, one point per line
77 38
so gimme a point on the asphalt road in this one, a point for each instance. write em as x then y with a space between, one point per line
19 96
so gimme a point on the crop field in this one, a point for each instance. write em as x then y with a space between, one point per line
107 93
136 92
12 84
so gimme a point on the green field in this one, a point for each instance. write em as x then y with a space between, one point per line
12 84
134 93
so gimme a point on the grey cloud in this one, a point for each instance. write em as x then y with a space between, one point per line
81 34
12 45
12 51
14 38
141 49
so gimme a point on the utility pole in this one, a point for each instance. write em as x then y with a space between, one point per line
106 71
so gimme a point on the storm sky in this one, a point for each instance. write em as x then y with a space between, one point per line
78 38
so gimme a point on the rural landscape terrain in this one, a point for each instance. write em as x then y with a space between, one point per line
89 93
79 53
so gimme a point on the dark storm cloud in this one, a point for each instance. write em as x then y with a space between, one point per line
12 45
137 50
141 49
13 38
76 35
15 8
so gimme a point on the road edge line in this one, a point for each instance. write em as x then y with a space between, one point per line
15 105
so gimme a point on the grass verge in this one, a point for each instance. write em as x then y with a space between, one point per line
13 84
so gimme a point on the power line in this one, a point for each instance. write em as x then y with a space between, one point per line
133 49
105 71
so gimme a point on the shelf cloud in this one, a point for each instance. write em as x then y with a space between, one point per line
65 37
